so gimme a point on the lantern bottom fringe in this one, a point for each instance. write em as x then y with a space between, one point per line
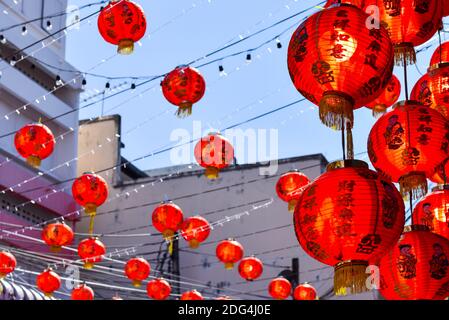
34 161
2 275
88 265
379 110
414 183
336 107
350 275
229 265
125 46
194 243
292 205
137 283
55 249
211 173
404 52
184 110
48 294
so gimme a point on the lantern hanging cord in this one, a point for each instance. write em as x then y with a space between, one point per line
343 147
405 79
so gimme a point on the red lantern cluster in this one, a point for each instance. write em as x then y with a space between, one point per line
91 250
57 235
167 218
195 230
407 144
214 152
416 268
346 218
290 186
387 98
191 295
336 62
48 282
7 263
304 292
158 289
34 142
183 87
250 268
280 288
122 23
82 292
229 252
137 270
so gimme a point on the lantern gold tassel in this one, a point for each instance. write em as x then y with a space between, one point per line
292 205
91 210
211 173
125 46
168 236
34 161
333 106
350 275
414 183
349 143
379 110
404 52
184 110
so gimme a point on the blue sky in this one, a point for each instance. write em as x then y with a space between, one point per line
183 30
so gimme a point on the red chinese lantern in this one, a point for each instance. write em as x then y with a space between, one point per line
7 263
440 176
250 268
304 292
229 252
290 186
122 23
167 218
214 152
422 92
137 270
183 87
57 235
410 23
48 282
387 98
34 142
91 250
433 211
191 295
441 54
416 268
158 289
407 144
280 288
195 230
82 292
339 64
439 87
347 218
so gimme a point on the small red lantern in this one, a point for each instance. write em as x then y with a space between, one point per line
290 186
250 268
229 252
167 218
214 152
407 144
34 142
195 230
137 270
158 289
438 85
347 218
82 292
191 295
57 235
7 263
122 23
280 288
304 292
183 87
433 211
416 268
441 54
91 250
387 98
339 64
422 92
48 282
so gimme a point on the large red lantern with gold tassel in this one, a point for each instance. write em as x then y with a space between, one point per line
304 292
290 186
7 263
433 211
387 98
407 144
441 54
82 292
250 268
195 230
191 295
122 23
347 218
214 152
48 281
167 218
339 64
439 87
35 142
183 87
57 235
137 270
417 267
229 252
91 251
158 289
280 288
